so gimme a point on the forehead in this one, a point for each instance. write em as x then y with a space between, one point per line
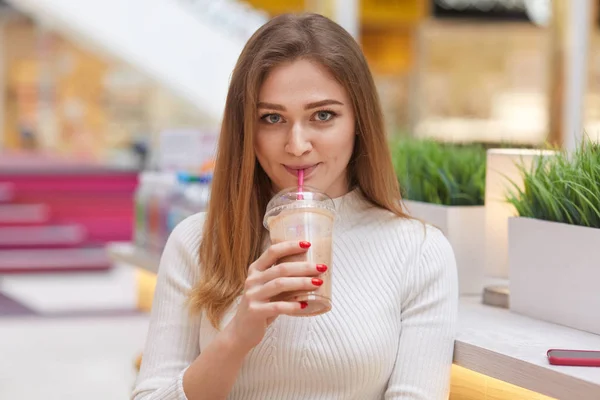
300 82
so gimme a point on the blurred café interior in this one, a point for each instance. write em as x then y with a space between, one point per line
110 113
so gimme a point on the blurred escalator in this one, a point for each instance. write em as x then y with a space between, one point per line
187 46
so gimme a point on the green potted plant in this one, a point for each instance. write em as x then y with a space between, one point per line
554 243
444 185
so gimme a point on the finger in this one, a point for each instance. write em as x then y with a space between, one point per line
276 308
278 251
289 269
281 285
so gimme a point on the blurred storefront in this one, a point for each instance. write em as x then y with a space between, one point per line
488 71
481 74
65 97
444 69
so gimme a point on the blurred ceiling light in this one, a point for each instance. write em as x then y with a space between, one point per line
539 11
482 5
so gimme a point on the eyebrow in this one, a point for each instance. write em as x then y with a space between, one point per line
309 106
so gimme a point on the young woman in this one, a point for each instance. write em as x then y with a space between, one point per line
302 96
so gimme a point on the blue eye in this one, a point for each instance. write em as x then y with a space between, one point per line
271 118
324 116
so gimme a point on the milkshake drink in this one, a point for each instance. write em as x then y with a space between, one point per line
305 215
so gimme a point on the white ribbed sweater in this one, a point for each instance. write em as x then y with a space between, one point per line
390 334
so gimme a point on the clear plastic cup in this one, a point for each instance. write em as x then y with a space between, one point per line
305 215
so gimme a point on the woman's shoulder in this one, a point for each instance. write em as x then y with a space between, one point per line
189 231
404 236
422 235
416 251
409 235
181 251
429 251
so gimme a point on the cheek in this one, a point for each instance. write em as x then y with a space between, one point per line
340 146
266 150
261 148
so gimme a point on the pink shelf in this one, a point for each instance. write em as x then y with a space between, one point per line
103 229
57 184
42 236
53 260
6 192
24 214
58 216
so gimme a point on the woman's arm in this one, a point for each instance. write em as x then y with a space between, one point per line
172 366
429 314
213 373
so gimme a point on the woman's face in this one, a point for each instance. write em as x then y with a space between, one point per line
305 121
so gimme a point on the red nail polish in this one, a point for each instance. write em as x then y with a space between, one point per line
305 245
321 267
317 281
303 305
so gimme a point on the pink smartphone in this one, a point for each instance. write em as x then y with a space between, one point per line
580 358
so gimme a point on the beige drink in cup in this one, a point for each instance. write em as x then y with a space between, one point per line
305 215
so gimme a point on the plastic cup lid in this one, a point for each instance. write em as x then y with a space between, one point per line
296 198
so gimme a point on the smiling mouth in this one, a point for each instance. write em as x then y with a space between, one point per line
308 169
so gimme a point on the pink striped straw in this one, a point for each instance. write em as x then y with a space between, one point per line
300 183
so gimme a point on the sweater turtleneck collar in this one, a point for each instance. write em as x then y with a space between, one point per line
349 207
348 199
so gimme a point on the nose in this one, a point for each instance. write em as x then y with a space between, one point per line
298 142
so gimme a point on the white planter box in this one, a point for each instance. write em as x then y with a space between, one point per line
555 272
464 226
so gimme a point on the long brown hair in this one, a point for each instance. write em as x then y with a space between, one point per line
233 229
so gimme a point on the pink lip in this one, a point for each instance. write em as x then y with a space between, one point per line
308 169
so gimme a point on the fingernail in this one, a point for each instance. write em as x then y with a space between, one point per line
317 281
303 305
321 267
305 245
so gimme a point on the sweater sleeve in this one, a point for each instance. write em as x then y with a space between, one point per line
429 315
172 343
